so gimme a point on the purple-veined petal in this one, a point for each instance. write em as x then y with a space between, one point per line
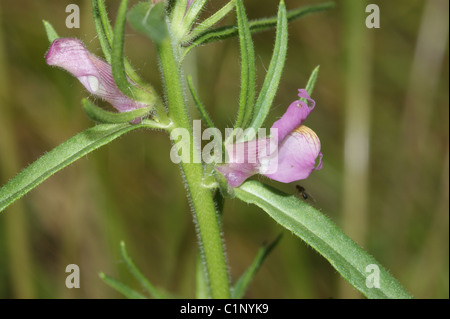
295 115
94 73
297 156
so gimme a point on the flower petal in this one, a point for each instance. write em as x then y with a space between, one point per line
297 156
295 115
236 174
94 73
246 159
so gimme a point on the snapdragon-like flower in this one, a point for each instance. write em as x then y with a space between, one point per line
94 73
295 157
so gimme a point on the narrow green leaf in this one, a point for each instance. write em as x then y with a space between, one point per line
212 20
51 32
105 34
100 115
199 104
248 68
62 156
121 287
108 29
150 20
192 13
138 275
243 282
273 76
222 33
324 236
117 63
103 27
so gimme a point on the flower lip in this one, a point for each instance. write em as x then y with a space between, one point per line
298 148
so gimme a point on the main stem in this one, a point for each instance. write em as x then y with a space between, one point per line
201 197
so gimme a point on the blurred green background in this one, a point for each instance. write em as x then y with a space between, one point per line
381 115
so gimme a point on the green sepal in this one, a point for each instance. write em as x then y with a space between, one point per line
100 115
52 35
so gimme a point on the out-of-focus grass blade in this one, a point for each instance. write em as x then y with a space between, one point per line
308 223
138 275
243 282
150 20
121 287
248 68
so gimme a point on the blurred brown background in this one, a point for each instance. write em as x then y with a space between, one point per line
381 115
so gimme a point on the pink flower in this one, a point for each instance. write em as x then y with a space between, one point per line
94 73
295 157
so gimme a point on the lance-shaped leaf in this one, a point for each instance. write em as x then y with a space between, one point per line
324 236
105 35
212 20
62 156
226 32
118 69
273 76
248 68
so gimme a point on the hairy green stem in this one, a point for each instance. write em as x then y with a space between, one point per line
201 197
